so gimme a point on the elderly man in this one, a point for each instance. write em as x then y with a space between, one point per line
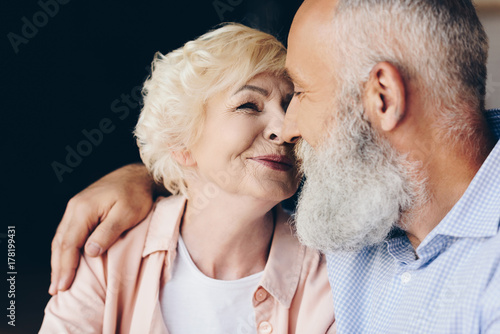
402 167
403 175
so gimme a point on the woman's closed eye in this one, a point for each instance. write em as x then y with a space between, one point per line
249 106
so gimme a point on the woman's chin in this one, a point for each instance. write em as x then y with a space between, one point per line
277 194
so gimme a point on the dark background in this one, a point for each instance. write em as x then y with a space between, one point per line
67 75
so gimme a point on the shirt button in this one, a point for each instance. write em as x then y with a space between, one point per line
265 327
260 295
406 277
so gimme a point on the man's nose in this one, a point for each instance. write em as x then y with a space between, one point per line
290 131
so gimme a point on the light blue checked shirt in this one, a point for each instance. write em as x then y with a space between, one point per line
453 286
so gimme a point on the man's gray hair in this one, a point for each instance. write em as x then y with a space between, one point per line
439 46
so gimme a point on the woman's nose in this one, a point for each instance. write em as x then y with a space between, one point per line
274 128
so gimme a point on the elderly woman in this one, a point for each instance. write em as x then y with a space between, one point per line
219 255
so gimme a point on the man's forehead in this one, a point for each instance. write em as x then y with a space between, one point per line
311 22
309 40
316 10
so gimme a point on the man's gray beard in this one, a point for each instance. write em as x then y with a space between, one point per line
357 187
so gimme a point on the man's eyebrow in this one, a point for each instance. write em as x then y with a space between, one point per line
256 89
292 77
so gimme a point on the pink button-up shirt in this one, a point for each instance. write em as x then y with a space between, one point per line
118 292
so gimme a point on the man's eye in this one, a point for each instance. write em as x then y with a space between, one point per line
297 93
249 105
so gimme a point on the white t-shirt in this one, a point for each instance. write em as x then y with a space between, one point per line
193 303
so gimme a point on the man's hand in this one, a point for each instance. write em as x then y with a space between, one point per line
107 208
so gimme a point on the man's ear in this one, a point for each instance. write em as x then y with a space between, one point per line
385 97
184 157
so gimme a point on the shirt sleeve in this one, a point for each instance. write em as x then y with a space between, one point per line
81 308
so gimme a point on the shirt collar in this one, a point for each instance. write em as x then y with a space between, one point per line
284 265
163 231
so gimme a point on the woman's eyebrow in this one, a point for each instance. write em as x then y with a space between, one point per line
259 90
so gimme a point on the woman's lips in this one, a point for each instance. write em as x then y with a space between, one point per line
276 162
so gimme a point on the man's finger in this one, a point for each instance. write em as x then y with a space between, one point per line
69 259
108 231
54 275
66 248
64 260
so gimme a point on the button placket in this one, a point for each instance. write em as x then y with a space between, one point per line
265 327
